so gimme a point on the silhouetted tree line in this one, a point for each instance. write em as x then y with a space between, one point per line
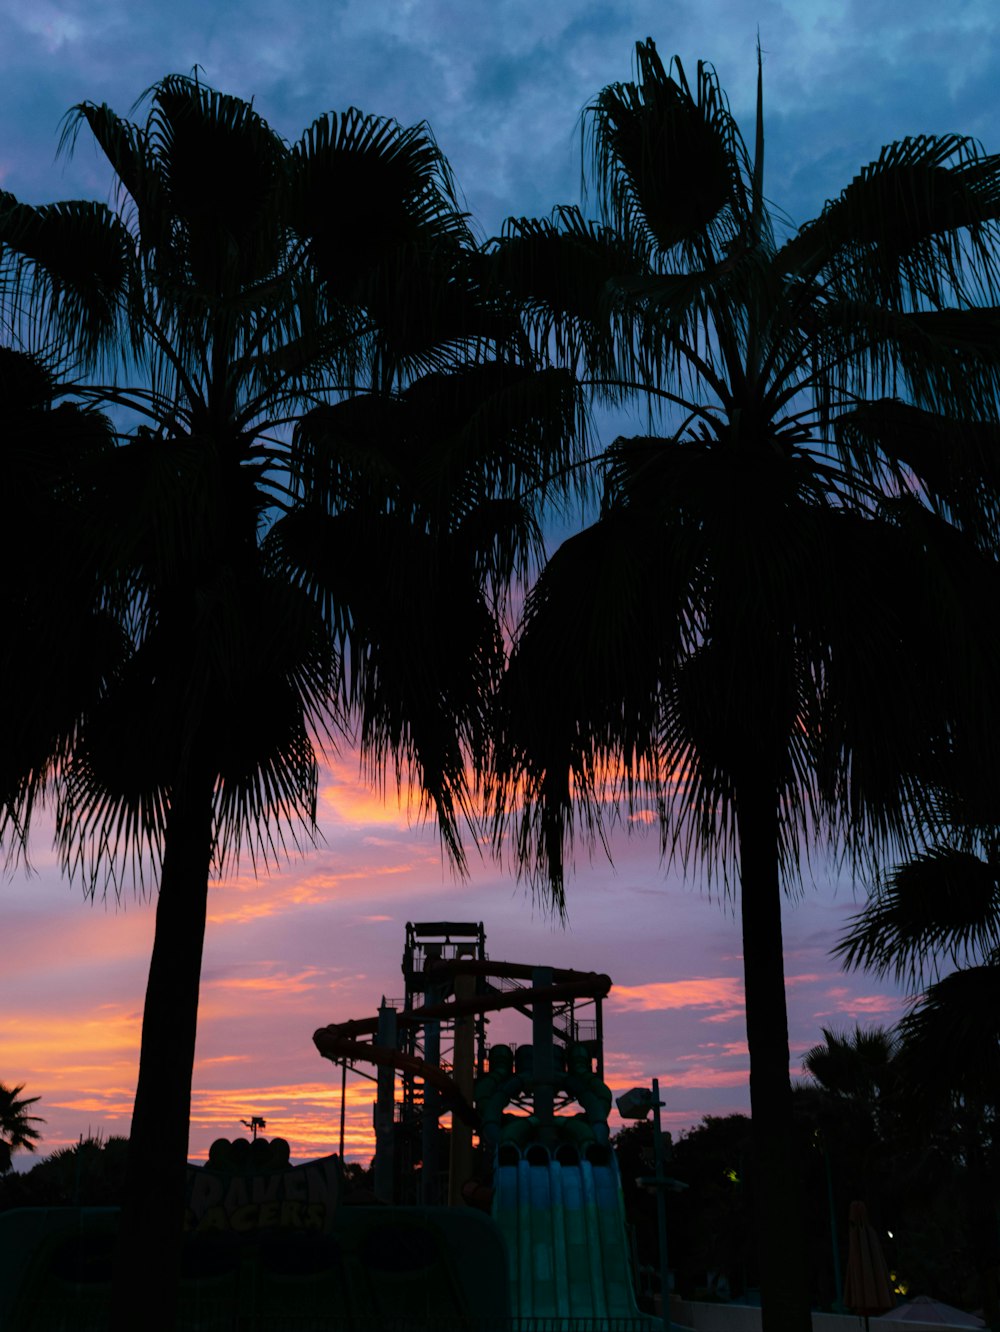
927 1166
90 1173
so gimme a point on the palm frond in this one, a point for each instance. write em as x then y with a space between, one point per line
917 226
669 161
951 1037
944 904
578 711
562 273
449 444
16 1125
64 271
853 1064
361 186
407 602
956 462
53 459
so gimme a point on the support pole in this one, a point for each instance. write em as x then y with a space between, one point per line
429 1169
385 1108
661 1207
543 1061
343 1105
463 1071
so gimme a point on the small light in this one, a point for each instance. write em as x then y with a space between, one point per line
889 1233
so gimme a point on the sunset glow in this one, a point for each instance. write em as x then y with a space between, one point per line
319 940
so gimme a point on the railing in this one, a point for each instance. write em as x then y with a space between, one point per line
417 1324
68 1316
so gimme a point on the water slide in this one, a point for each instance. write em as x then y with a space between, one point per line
564 1225
346 1040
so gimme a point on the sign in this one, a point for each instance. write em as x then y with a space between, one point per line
247 1192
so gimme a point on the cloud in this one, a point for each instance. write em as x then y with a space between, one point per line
721 1050
245 899
719 992
855 1006
705 1075
284 982
307 1115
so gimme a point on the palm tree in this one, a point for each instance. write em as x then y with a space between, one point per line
16 1130
342 451
856 1106
855 1065
747 646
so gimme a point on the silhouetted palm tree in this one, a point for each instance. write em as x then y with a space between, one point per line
281 587
856 1103
855 1065
16 1132
748 646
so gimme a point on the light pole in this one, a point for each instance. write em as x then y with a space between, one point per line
636 1104
661 1184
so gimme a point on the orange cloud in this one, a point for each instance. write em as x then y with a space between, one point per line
59 1046
112 1104
624 1071
722 1049
281 981
701 992
704 1076
245 898
306 1114
347 795
862 1005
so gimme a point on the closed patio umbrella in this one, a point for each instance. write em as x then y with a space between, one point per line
867 1288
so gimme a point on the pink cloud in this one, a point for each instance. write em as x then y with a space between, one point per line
704 1076
855 1006
700 992
282 982
721 1049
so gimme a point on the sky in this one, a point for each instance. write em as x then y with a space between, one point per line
502 85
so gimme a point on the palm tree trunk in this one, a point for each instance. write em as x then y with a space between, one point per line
782 1254
146 1277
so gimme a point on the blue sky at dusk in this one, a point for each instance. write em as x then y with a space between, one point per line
502 85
